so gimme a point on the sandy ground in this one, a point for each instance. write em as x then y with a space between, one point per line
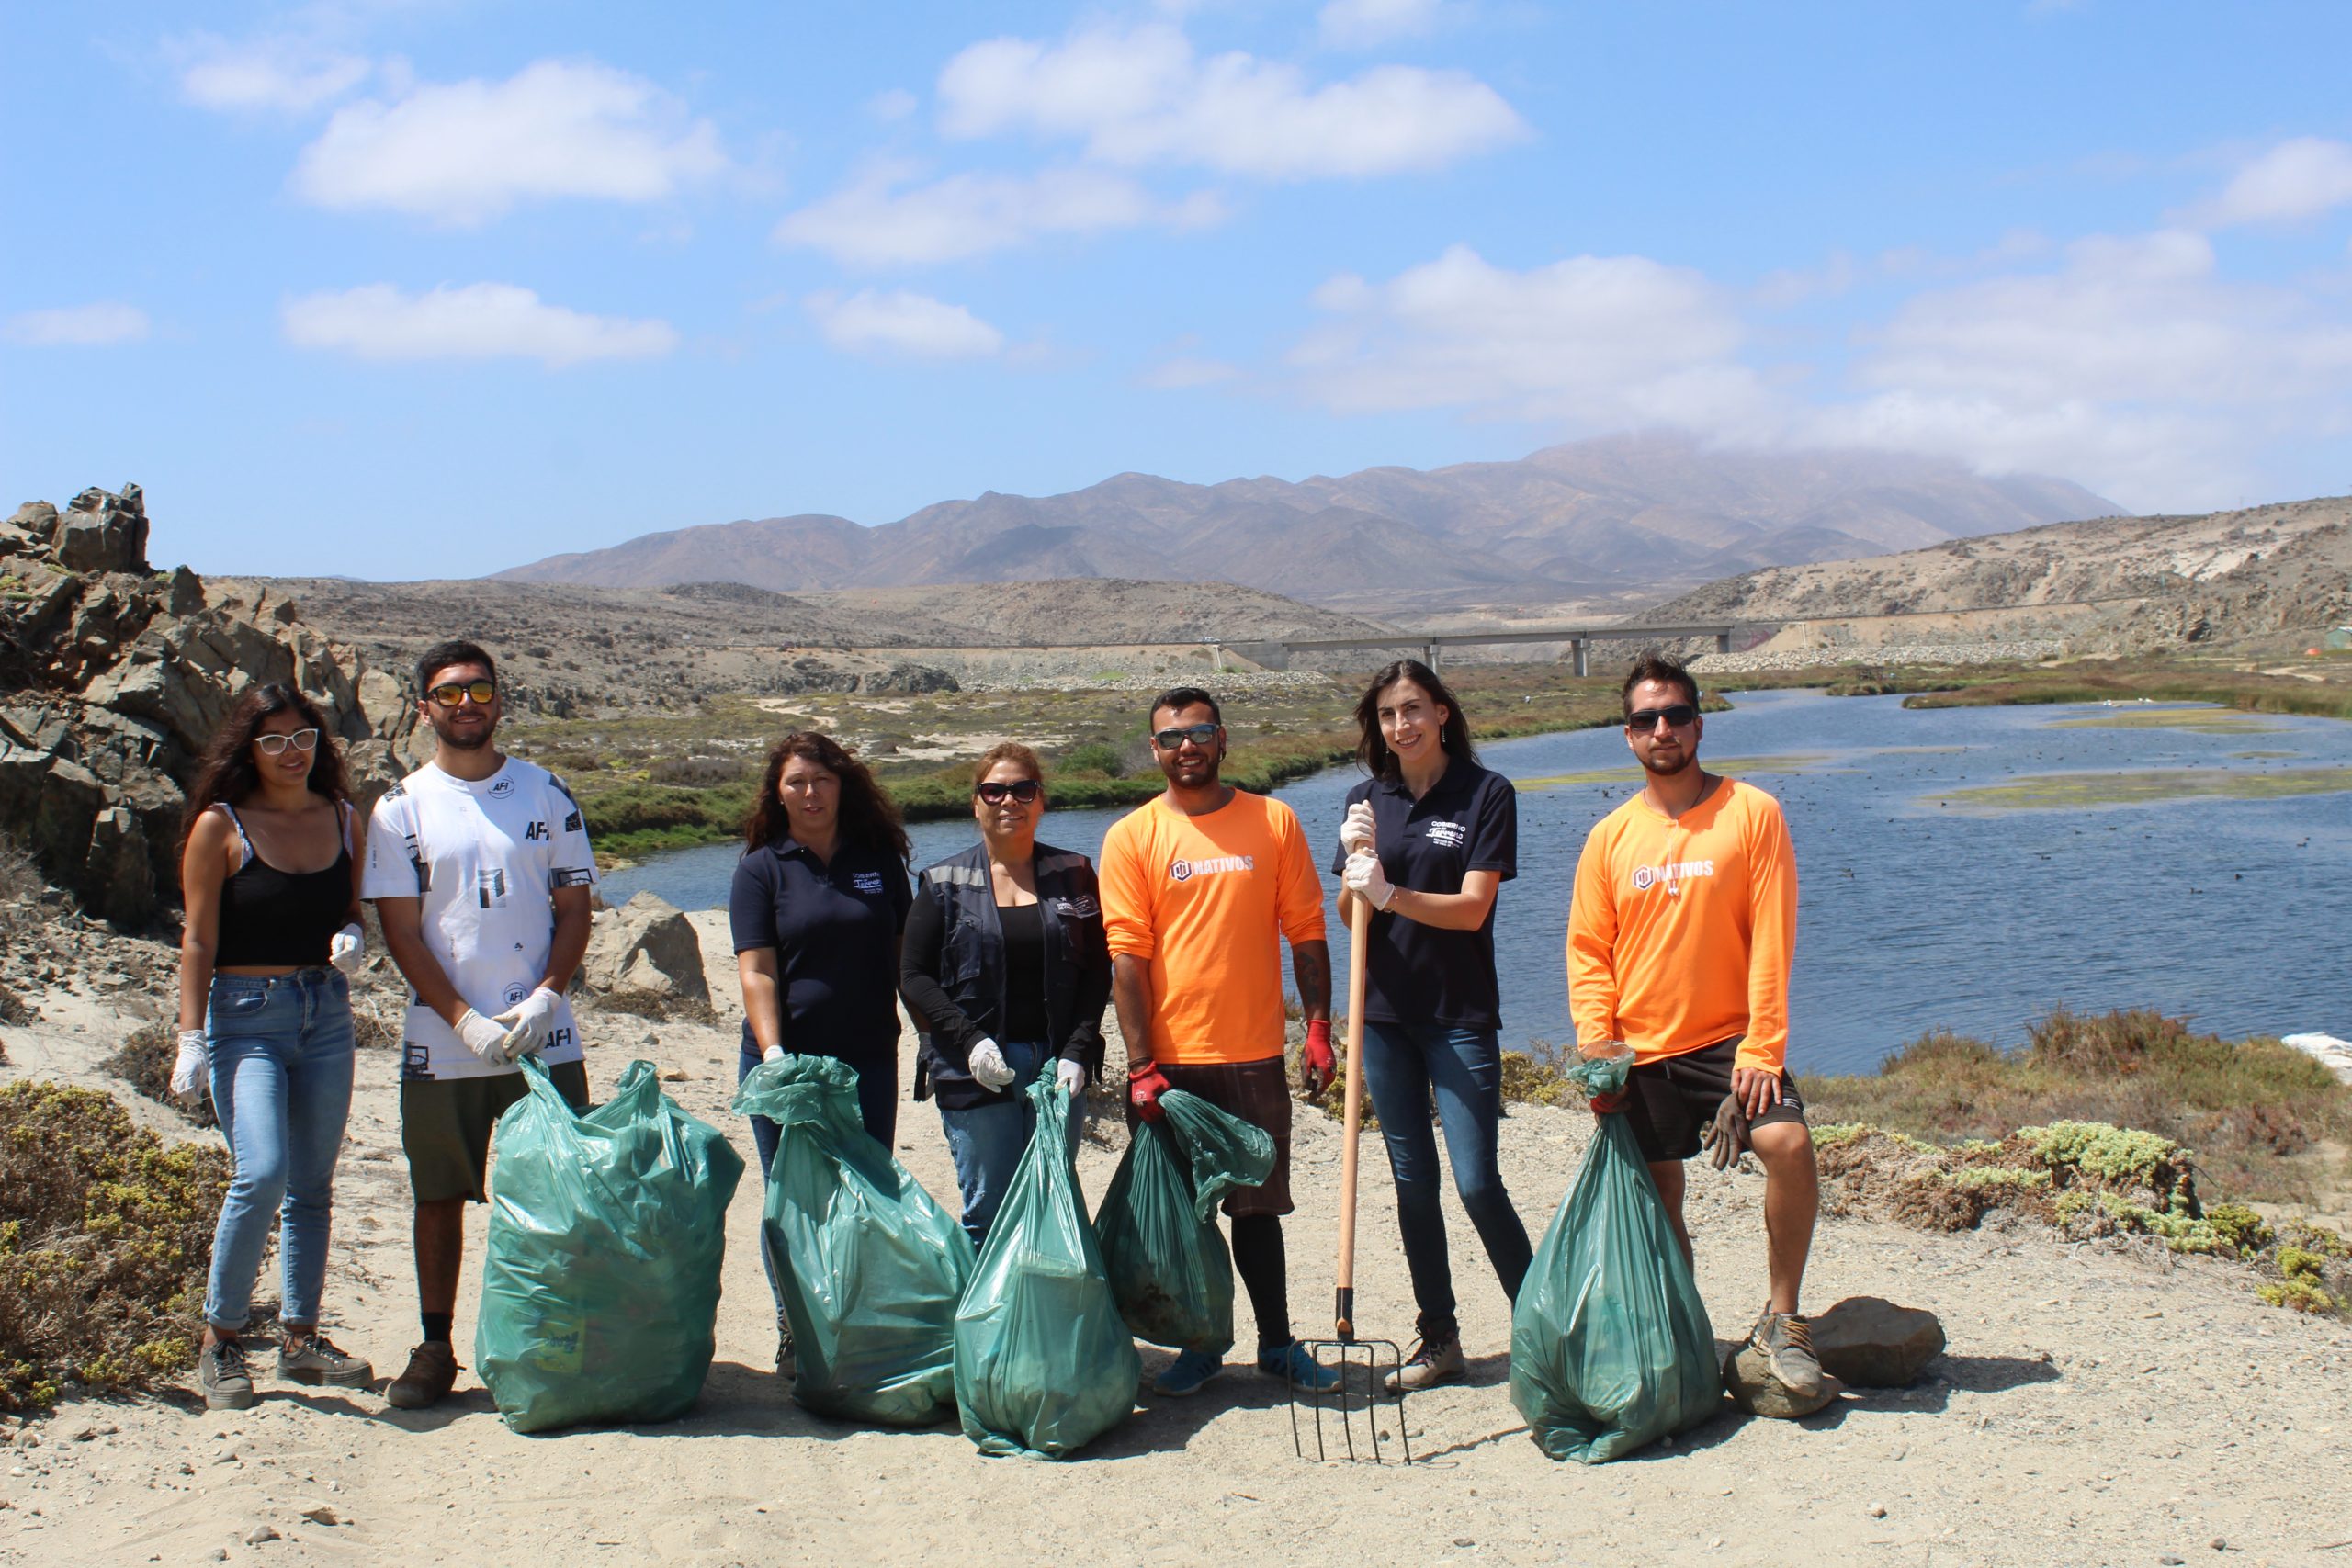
2094 1407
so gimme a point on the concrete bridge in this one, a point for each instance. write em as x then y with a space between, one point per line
1579 638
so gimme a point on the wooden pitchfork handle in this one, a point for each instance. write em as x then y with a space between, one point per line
1359 940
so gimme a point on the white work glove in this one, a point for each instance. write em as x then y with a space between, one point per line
188 1072
350 948
772 1053
987 1065
529 1023
1365 876
1071 1076
1355 828
484 1039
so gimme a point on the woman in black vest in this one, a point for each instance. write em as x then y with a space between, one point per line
1006 970
270 879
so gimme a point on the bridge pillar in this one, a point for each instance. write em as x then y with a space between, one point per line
1578 650
1722 642
1429 654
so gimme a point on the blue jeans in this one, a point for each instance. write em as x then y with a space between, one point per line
281 1085
985 1141
1403 1063
878 1111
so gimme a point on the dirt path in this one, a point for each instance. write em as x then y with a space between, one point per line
2094 1407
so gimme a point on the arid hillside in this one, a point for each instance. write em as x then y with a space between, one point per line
1585 522
2114 582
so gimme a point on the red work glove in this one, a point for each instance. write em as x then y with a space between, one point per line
1320 1067
1144 1085
1604 1105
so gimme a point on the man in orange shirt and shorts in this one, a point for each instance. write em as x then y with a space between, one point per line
1679 938
1200 886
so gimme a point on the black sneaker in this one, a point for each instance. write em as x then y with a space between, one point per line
222 1374
432 1373
314 1359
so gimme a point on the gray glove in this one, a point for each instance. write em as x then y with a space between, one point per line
989 1069
188 1072
1726 1135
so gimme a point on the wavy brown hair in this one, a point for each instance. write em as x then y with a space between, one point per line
228 772
1008 751
1371 747
869 817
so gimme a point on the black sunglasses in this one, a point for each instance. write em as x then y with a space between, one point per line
1022 790
1678 716
1198 734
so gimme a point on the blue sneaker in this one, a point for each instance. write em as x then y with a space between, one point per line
1187 1372
1293 1364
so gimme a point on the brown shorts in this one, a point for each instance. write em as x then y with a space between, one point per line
1257 1093
445 1123
1669 1102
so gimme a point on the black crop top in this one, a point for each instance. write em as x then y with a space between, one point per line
273 917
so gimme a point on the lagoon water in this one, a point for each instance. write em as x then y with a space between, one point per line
1958 868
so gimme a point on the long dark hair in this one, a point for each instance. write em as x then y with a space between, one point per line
1371 747
227 774
869 817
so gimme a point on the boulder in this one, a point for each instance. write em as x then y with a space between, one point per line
1872 1343
649 947
36 518
71 798
1747 1378
101 532
118 880
183 595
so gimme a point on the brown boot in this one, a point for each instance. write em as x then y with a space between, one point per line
432 1373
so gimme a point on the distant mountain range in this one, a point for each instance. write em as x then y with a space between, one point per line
1610 518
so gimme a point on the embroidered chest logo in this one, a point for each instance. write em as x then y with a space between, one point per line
867 882
1083 907
1446 835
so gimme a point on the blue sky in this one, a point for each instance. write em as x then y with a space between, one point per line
422 287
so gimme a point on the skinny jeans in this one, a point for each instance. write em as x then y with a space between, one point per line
1403 1066
987 1141
281 1049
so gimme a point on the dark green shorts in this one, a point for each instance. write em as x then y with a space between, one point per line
445 1123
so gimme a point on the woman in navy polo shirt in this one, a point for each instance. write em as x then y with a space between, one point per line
818 901
1428 841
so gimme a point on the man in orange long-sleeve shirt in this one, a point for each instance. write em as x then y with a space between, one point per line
1680 937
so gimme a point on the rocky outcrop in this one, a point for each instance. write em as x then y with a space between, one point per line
645 949
115 677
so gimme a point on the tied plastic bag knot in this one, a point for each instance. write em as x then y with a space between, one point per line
600 1274
1043 1364
869 1266
1168 1269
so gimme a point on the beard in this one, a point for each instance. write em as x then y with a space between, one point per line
1666 770
463 741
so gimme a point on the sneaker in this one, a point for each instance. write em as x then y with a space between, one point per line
313 1358
1436 1359
1187 1372
222 1373
1294 1365
432 1373
1786 1340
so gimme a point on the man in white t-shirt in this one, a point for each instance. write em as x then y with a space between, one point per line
479 868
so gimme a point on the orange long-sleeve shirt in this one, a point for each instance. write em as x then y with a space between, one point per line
1680 932
1207 901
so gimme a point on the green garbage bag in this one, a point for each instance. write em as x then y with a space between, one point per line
1610 1344
870 1267
1168 1270
1044 1365
608 1228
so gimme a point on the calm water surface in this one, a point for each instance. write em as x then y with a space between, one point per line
1921 907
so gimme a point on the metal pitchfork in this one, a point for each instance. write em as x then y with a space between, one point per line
1345 1353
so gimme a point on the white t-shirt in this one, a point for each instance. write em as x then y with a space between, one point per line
484 856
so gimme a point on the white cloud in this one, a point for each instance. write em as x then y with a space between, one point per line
875 222
279 74
1366 24
903 324
1185 372
1588 343
464 153
2300 178
1141 96
479 321
77 326
895 103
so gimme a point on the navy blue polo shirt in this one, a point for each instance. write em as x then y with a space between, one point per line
1468 821
835 930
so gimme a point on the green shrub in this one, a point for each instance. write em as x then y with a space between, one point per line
146 1060
1093 757
105 1238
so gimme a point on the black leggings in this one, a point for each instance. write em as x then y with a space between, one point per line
1265 1273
